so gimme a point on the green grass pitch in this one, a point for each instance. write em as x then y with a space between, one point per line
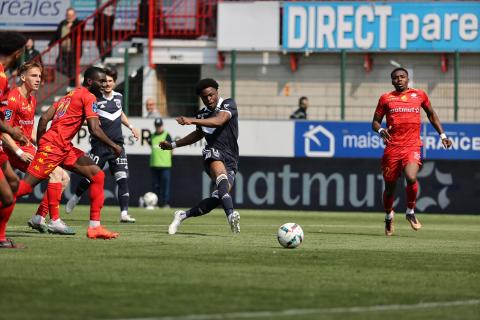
345 269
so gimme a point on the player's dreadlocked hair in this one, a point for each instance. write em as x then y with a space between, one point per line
204 84
11 41
398 69
91 72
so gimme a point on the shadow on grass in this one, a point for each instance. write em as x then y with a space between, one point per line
356 234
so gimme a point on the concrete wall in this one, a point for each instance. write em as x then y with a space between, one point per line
272 91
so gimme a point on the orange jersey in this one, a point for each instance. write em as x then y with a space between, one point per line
3 88
71 111
402 110
20 111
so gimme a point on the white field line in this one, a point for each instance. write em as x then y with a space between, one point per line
302 312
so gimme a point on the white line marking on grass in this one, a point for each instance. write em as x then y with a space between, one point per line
301 312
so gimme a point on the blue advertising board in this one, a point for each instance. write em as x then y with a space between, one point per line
381 26
357 140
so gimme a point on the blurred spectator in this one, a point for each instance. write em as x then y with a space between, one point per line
301 112
161 164
30 51
104 28
72 29
152 111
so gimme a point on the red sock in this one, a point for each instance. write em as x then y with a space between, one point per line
5 214
54 190
96 195
412 190
388 202
43 207
23 189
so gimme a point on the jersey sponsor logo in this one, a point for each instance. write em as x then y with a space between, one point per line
8 114
26 122
404 110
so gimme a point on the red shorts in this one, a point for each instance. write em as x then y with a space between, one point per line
3 157
15 160
50 156
396 158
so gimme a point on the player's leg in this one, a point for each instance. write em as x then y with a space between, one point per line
391 168
8 203
119 170
57 182
219 174
411 172
84 183
86 167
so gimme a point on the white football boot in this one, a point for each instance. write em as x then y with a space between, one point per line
127 219
234 221
59 227
178 217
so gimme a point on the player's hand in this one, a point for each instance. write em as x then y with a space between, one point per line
117 150
165 145
26 157
17 134
184 120
385 134
135 134
447 143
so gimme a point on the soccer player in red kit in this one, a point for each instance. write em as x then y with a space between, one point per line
402 108
56 149
11 48
19 110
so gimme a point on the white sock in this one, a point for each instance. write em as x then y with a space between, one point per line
410 211
124 213
75 198
389 216
94 223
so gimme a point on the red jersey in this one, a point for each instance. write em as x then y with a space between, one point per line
20 111
71 111
3 88
402 110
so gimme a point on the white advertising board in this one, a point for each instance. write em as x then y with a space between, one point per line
37 15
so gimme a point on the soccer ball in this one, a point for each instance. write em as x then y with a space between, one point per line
290 235
150 199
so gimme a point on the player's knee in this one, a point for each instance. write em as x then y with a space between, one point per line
14 183
65 180
98 176
7 199
220 178
120 175
411 179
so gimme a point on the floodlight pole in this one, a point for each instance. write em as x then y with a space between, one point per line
343 58
233 73
456 75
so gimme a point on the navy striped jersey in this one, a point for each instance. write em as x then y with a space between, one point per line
225 137
110 115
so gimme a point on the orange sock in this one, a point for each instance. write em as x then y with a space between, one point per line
5 214
96 195
411 190
43 207
54 190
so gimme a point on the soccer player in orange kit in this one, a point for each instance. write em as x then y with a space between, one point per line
401 108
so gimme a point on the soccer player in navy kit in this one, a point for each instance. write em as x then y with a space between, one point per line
217 122
111 119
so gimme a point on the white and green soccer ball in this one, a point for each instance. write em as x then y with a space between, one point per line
290 235
150 200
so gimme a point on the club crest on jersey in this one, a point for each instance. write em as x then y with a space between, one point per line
118 103
94 107
8 114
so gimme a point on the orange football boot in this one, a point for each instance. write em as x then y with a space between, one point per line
414 223
100 233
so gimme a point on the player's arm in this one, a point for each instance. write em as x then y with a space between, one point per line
46 117
10 143
14 132
214 122
97 132
435 121
189 139
126 123
377 122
